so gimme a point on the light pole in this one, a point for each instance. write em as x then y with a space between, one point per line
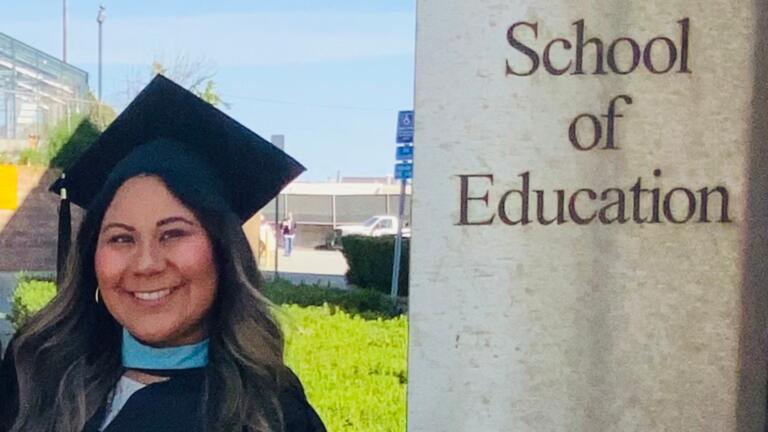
100 19
64 56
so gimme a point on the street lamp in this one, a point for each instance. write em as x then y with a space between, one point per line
64 41
100 19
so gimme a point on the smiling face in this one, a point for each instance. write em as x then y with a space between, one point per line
154 264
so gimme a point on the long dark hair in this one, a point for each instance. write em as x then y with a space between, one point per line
67 357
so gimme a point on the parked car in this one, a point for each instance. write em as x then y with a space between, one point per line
375 226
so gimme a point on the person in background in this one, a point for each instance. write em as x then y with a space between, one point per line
159 323
288 230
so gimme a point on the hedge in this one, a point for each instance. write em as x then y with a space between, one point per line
370 262
33 294
363 302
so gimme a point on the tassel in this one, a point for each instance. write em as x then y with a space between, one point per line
65 232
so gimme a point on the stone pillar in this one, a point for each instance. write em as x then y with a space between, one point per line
589 219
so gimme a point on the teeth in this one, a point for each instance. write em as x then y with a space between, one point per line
154 295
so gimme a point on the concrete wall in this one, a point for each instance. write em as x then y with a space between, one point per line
589 313
28 236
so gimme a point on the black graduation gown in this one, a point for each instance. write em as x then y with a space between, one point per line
8 391
169 406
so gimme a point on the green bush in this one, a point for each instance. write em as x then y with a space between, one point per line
34 276
366 303
354 371
69 139
65 144
29 297
370 262
34 290
32 156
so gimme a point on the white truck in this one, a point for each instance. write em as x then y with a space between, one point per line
375 226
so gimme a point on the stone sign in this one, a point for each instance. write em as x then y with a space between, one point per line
590 216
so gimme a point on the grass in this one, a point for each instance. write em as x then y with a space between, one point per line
353 369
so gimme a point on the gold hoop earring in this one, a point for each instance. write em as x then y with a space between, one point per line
96 295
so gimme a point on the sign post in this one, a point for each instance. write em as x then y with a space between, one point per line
403 172
279 142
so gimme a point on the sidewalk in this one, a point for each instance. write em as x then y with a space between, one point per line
308 260
326 267
7 284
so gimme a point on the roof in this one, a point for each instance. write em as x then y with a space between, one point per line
305 188
42 67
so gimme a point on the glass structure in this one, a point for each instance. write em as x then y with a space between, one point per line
36 90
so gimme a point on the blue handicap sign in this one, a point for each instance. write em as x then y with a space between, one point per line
403 170
404 153
405 127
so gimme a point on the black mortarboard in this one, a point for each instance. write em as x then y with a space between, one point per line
168 130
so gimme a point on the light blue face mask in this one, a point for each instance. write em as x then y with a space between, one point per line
136 355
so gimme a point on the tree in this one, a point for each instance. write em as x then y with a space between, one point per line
99 113
211 95
194 74
66 145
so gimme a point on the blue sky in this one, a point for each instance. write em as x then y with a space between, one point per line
329 75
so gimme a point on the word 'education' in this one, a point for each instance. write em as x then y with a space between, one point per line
584 206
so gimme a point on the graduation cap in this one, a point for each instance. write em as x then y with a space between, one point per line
167 130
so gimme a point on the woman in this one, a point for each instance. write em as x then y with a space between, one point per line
158 324
288 229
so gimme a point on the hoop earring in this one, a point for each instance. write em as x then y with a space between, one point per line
96 295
